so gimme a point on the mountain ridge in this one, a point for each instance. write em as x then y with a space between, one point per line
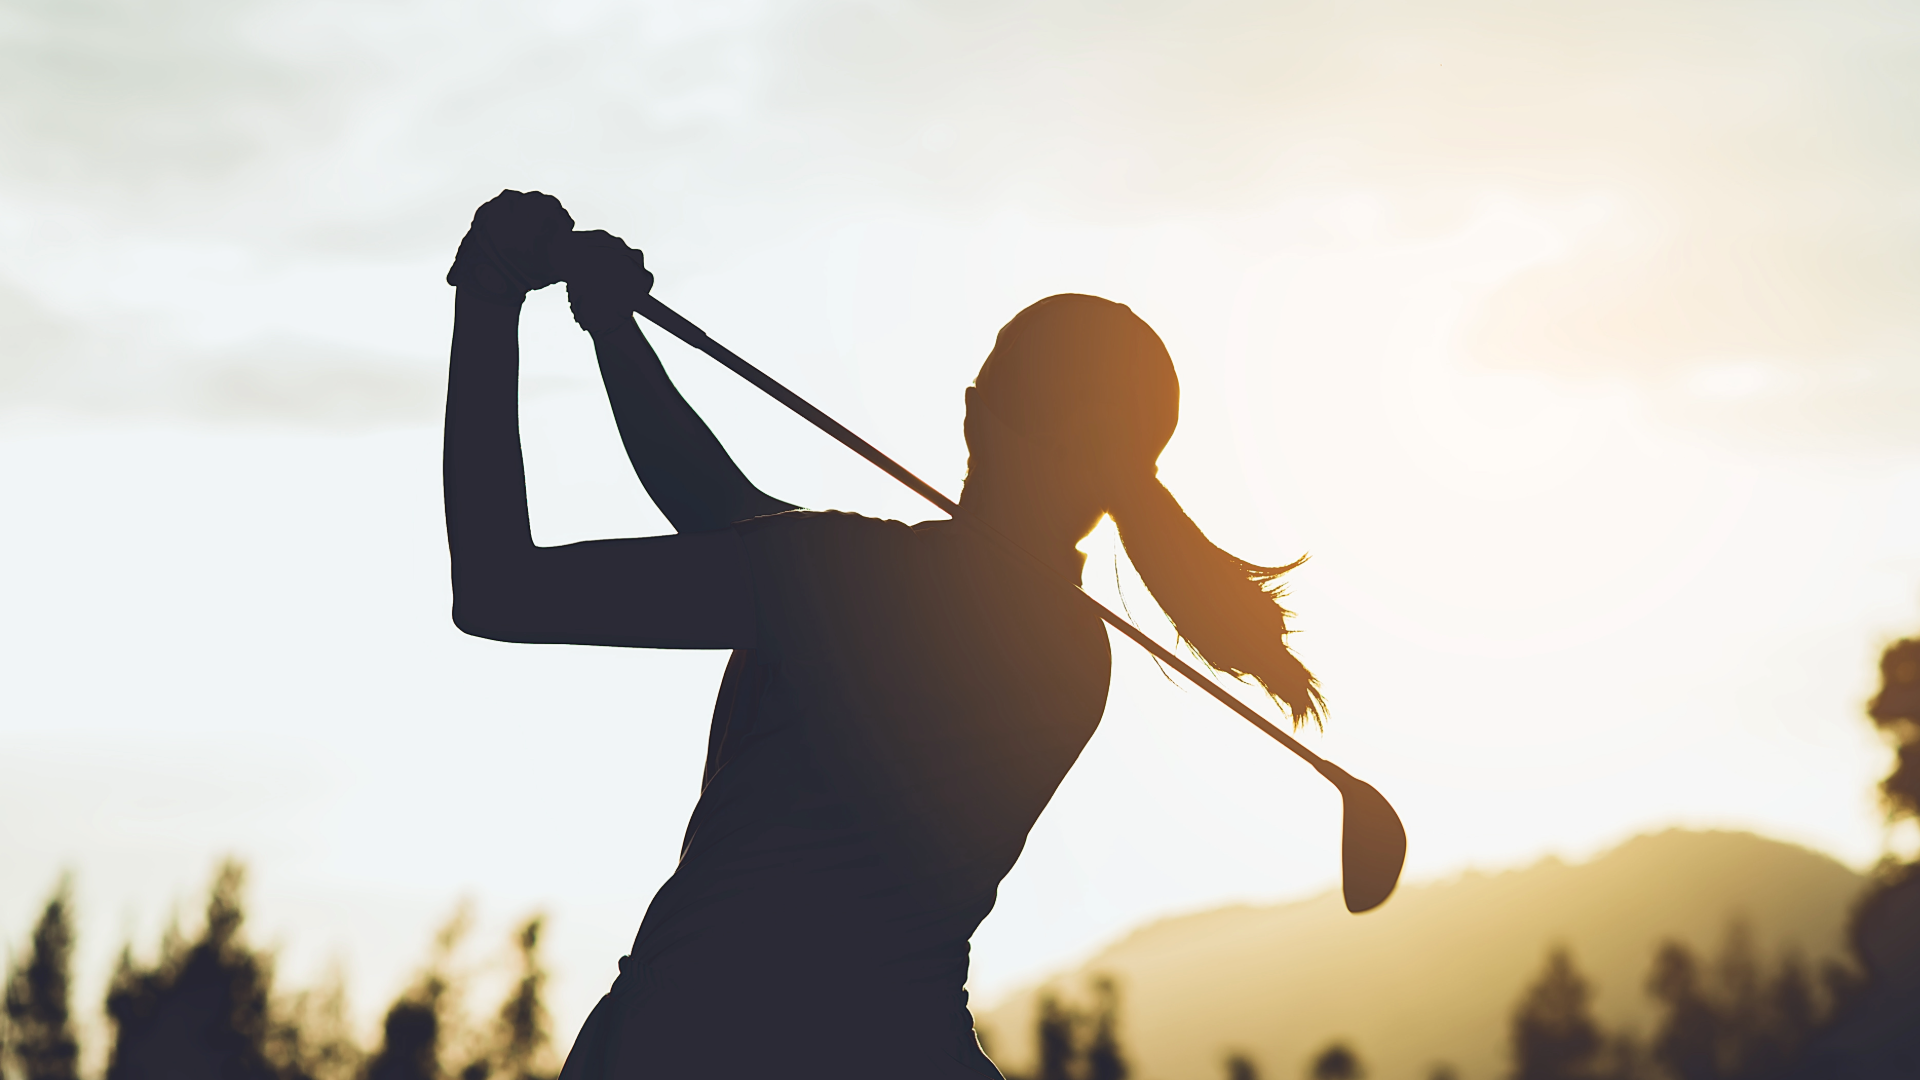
1433 975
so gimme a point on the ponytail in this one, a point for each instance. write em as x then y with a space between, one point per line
1226 609
1087 383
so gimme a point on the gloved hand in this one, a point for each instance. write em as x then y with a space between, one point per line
605 278
505 253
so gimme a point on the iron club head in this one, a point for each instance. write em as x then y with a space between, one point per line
1373 843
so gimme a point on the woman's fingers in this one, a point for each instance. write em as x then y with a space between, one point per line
510 237
605 278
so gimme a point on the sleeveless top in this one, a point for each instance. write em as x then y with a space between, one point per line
873 769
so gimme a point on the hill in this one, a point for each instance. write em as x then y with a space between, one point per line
1434 974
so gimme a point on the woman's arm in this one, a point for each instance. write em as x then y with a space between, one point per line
688 591
685 470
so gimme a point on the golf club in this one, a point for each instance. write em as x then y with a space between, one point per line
1373 843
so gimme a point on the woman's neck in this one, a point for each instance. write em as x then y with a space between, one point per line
1047 528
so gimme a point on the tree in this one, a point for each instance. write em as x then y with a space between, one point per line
1687 1041
1337 1062
410 1036
202 1009
1872 1032
1059 1041
1077 1045
39 995
522 1030
1554 1034
1104 1058
1747 1036
1792 1009
311 1038
1896 711
414 1033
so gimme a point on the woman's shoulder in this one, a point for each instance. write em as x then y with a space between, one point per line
805 525
814 571
830 542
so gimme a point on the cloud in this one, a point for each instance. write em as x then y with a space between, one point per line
52 367
1730 183
1748 173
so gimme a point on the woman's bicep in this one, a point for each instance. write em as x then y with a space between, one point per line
689 591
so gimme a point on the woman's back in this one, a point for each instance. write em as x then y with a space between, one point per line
874 768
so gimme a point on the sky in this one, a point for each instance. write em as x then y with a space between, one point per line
1573 341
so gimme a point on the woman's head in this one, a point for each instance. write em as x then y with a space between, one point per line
1086 378
1080 396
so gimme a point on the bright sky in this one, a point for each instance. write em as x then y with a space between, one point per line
1575 343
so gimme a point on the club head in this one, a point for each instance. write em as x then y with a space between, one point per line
1373 843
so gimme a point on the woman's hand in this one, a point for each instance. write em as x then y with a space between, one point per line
507 251
606 279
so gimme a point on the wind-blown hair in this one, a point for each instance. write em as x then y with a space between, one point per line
1090 383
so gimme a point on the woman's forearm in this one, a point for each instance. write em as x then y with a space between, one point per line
686 471
483 475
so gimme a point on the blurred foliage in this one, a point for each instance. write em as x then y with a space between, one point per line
1337 1062
1896 709
205 1009
1241 1067
38 1029
1731 1020
1080 1044
1554 1033
201 1009
1875 1034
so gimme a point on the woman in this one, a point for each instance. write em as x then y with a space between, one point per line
902 700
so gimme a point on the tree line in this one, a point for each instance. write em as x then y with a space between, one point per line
1728 1017
1733 1018
206 1007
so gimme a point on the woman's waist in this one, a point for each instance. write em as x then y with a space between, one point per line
801 919
798 916
692 1013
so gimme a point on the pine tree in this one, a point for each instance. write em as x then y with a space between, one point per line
1688 1040
1793 1013
39 996
1747 1050
523 1032
1059 1038
202 1010
416 1031
1104 1058
1554 1034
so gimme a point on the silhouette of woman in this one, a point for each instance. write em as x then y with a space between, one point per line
902 700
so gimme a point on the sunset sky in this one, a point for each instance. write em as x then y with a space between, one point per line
1577 343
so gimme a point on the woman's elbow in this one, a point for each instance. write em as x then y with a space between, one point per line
471 622
485 618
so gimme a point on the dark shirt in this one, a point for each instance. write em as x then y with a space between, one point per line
874 768
900 706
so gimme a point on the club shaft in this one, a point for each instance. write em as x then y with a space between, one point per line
677 325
